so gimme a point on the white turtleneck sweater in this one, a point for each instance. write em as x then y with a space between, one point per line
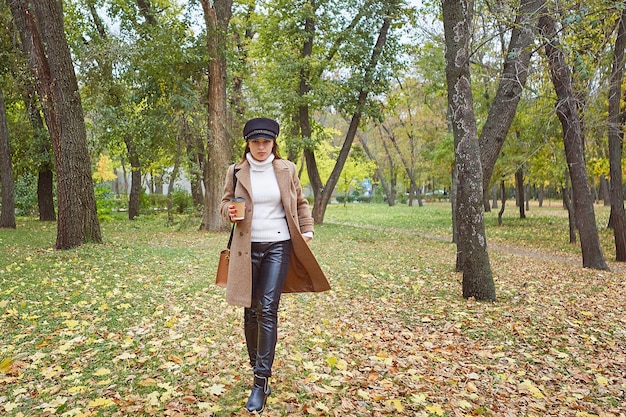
268 218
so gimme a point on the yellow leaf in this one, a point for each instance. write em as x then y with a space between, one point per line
435 409
71 324
101 402
147 382
216 389
363 394
395 404
464 404
78 388
342 364
418 398
528 386
102 371
8 407
5 365
601 380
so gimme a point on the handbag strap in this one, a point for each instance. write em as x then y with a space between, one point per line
232 229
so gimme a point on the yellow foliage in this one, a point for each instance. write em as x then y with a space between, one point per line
104 170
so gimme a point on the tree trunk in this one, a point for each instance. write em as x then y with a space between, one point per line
573 138
45 192
134 199
408 169
45 180
571 212
616 143
477 277
604 190
494 196
519 191
323 193
512 82
7 197
503 192
41 31
217 16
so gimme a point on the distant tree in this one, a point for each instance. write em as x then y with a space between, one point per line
42 33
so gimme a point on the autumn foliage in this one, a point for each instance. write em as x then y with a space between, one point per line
135 326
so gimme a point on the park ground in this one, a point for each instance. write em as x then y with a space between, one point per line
135 326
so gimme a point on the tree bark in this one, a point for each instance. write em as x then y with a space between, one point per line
512 83
573 138
616 142
45 177
7 197
472 240
217 16
520 196
41 31
134 199
45 193
503 192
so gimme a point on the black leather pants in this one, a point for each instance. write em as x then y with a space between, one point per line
270 262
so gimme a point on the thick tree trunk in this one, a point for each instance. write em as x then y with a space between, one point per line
616 143
512 82
41 31
573 138
45 192
7 197
472 240
217 16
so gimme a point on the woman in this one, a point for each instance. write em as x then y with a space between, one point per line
269 251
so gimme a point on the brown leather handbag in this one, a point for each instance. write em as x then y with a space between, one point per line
221 277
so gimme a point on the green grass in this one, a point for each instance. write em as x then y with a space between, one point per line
135 326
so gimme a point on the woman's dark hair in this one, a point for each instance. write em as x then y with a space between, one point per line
274 151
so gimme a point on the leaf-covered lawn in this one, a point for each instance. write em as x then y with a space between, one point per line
135 326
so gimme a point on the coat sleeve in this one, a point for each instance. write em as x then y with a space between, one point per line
305 220
228 193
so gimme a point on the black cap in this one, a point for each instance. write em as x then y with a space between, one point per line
261 127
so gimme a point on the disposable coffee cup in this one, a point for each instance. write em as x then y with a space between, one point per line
240 205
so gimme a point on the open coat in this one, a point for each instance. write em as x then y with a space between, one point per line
305 274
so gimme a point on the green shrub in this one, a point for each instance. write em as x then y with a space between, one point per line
105 199
181 200
26 195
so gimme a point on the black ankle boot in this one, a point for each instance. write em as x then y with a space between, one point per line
258 396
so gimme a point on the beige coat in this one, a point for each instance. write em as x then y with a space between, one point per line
305 274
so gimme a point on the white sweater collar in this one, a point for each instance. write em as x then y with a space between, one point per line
260 165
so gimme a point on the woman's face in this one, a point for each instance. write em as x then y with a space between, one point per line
261 148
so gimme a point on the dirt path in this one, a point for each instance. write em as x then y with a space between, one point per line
571 260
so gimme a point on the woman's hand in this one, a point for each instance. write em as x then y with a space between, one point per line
307 239
232 212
